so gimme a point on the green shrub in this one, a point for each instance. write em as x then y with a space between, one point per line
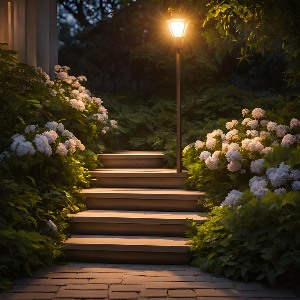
50 134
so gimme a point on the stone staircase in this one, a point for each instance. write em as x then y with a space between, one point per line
137 212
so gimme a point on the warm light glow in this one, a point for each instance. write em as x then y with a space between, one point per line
178 27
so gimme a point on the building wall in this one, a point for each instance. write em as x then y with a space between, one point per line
30 28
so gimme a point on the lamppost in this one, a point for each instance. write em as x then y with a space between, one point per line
178 28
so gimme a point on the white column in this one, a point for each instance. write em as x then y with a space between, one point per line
31 36
20 30
3 22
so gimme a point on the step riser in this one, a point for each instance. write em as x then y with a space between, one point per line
142 204
177 230
129 257
139 182
137 163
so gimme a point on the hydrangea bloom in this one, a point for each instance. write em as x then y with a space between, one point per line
232 135
296 185
253 124
61 149
199 144
211 143
42 144
234 166
258 113
288 140
281 130
253 133
258 186
295 174
271 126
279 176
294 123
113 123
255 146
245 111
233 155
280 191
204 155
51 136
232 198
256 166
77 104
212 162
246 121
230 125
30 128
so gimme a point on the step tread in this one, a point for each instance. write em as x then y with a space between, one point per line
143 172
127 243
132 154
143 193
120 216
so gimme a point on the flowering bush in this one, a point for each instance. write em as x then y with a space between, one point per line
254 233
227 160
50 134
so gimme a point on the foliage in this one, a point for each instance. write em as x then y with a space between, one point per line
225 161
254 234
256 241
43 163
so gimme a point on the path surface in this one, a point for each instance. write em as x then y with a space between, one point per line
107 281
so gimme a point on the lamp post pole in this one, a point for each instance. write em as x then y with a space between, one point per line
178 117
178 28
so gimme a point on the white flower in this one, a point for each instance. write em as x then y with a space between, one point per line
53 93
256 166
97 100
52 225
25 148
81 78
216 154
17 139
281 130
60 127
234 166
70 144
295 174
245 111
253 124
232 198
225 146
212 162
199 144
62 75
51 136
275 144
233 146
101 117
211 143
79 145
105 129
61 149
280 191
230 125
266 150
258 186
271 126
296 185
246 121
232 135
67 133
255 146
204 155
30 128
279 176
252 132
77 104
245 144
294 123
264 123
42 144
288 140
52 125
258 113
113 123
264 134
233 155
186 148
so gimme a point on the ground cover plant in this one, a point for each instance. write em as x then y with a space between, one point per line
50 133
251 174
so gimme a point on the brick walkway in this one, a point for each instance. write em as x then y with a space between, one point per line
102 281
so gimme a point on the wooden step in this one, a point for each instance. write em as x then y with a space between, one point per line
142 199
139 178
141 223
133 159
128 249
